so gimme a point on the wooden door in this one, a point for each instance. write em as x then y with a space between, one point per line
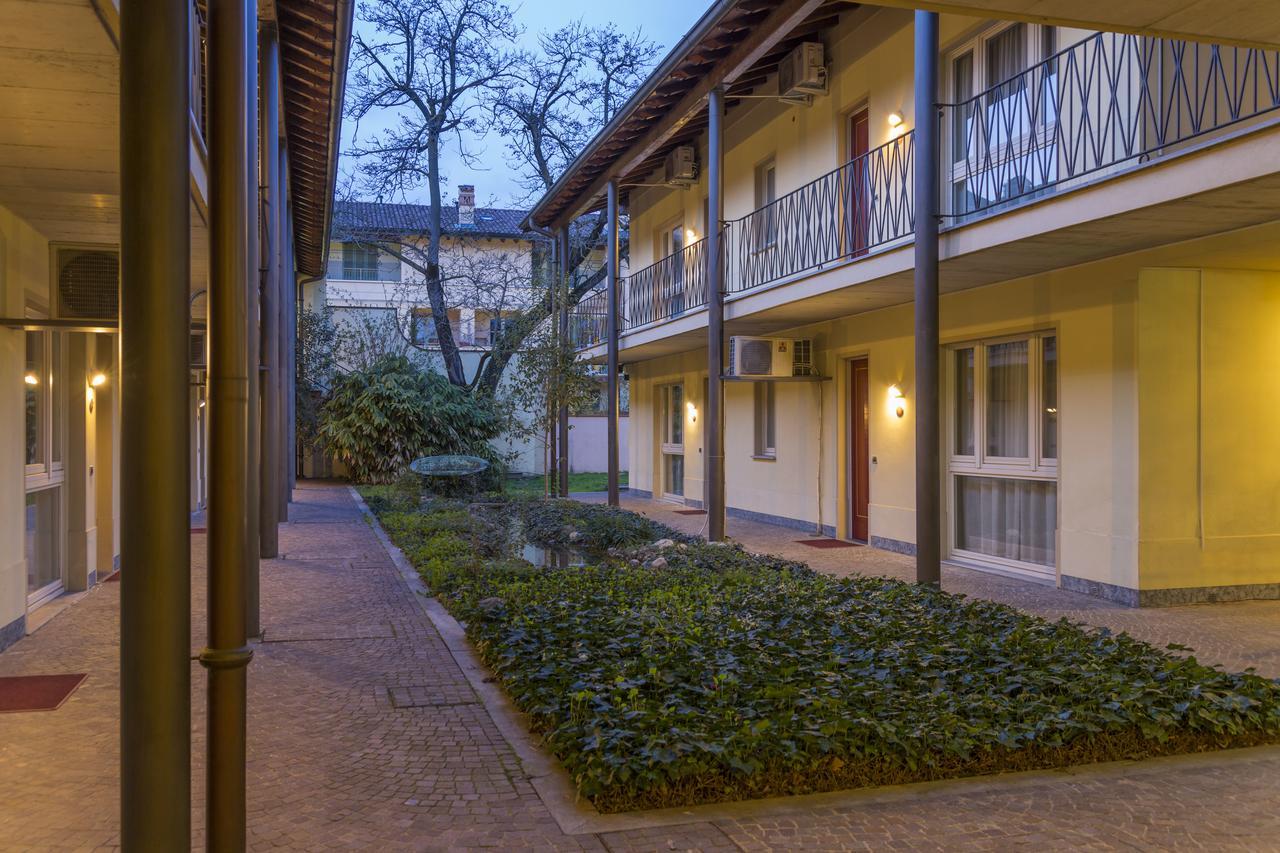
860 183
859 451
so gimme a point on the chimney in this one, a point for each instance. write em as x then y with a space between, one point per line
466 205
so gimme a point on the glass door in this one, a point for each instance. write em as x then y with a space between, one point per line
672 431
43 531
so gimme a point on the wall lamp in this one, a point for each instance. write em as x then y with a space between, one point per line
895 119
98 379
692 411
897 401
31 379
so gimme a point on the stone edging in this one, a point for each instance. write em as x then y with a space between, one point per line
578 817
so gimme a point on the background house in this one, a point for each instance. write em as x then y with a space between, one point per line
375 293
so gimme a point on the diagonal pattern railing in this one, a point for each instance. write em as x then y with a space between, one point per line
863 205
1105 100
1102 104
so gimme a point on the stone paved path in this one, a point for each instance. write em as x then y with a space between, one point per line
365 735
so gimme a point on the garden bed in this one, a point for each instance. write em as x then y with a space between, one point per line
689 673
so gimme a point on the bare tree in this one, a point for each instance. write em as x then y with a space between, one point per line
434 65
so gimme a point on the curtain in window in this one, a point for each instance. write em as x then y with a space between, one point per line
1012 519
1007 399
964 393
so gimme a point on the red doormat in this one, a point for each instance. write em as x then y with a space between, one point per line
199 530
691 512
827 543
37 692
114 577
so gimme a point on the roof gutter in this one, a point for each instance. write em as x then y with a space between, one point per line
677 55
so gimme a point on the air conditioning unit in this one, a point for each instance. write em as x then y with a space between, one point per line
88 282
750 356
681 166
197 356
803 72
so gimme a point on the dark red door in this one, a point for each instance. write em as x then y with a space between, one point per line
859 182
859 450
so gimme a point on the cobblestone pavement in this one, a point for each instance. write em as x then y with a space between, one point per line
366 735
1237 636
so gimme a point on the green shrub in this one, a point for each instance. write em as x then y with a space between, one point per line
726 675
377 421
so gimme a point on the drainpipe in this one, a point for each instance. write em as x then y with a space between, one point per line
927 192
612 331
714 441
562 419
155 537
253 505
231 26
270 472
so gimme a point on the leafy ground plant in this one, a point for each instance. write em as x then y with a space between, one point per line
691 673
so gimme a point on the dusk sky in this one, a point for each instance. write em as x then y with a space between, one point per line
662 21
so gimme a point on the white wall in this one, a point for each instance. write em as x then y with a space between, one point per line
589 443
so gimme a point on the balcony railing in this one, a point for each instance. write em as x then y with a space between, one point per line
1098 104
672 286
863 205
1098 107
589 319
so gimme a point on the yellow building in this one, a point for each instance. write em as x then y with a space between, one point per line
1102 405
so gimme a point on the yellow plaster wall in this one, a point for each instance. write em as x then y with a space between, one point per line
1209 416
24 266
1093 310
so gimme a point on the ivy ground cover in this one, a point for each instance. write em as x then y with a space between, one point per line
681 672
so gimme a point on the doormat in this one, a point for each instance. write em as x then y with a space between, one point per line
114 577
827 543
37 692
690 512
199 530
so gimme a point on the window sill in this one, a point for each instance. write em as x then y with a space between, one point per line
765 457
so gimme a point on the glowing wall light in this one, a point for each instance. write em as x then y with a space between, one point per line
897 401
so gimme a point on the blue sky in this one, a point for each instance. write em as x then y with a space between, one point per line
662 21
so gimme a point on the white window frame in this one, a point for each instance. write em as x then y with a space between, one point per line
1035 466
666 412
766 420
766 172
976 46
49 474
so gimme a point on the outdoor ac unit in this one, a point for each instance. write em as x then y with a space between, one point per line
88 282
750 356
197 353
681 167
803 72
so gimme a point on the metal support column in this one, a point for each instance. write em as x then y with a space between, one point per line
270 472
253 506
228 654
612 331
284 275
928 407
155 538
562 417
714 441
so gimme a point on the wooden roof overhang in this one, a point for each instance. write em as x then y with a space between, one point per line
315 39
737 43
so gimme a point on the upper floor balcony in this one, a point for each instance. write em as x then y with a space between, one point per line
1114 143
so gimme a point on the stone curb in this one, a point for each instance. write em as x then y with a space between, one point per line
577 817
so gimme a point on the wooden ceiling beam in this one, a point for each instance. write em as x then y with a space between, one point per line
785 16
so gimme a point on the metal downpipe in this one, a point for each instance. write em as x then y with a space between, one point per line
270 472
927 193
253 506
230 24
714 464
155 536
612 331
